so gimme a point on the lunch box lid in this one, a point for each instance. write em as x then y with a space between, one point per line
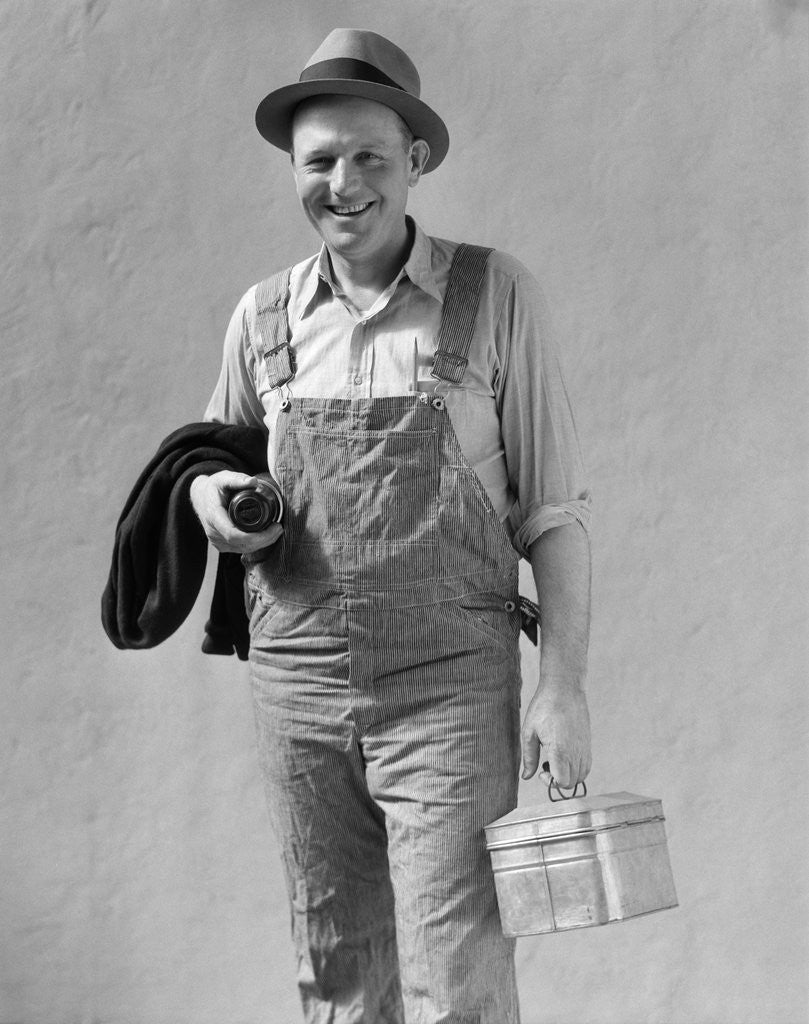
559 818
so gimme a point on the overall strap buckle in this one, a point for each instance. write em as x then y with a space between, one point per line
460 312
272 325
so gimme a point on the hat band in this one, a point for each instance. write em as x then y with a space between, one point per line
348 68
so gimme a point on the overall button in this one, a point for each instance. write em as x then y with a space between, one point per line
438 403
285 403
358 379
510 606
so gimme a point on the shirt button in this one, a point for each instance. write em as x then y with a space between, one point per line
358 380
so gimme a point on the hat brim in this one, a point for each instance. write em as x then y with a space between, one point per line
274 113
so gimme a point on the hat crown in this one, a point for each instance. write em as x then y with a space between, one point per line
369 48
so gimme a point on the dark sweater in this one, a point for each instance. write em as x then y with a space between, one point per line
160 551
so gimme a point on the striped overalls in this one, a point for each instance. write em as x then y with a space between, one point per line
385 667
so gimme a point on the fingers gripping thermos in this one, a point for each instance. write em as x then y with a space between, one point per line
253 509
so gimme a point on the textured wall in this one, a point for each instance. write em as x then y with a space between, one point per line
648 161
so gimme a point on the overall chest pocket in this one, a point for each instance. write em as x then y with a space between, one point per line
362 486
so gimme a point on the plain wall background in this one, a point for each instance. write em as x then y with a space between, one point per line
648 161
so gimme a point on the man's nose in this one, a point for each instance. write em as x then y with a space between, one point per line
343 178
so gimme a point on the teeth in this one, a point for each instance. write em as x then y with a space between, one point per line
344 210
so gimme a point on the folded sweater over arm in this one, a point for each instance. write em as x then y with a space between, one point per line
160 551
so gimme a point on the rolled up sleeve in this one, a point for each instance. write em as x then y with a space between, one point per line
543 456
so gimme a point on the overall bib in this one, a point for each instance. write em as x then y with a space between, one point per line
385 669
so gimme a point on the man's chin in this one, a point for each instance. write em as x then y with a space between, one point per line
346 241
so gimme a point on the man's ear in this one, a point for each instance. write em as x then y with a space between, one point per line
419 155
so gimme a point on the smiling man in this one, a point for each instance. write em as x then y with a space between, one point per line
419 429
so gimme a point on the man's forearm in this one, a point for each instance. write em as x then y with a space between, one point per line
556 726
560 560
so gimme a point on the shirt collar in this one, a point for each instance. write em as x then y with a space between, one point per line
418 267
419 264
313 281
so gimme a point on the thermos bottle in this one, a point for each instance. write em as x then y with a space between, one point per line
253 509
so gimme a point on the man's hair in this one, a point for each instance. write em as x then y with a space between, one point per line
405 133
404 130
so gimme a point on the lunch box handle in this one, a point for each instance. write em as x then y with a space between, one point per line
554 785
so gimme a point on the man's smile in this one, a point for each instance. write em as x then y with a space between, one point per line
349 211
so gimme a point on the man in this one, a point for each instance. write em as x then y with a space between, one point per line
419 430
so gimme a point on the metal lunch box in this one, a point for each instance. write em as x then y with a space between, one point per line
580 862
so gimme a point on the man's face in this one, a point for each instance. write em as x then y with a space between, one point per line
352 172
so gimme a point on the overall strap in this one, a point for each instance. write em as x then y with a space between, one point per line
272 328
459 313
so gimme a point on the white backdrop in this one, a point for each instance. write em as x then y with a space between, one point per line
648 161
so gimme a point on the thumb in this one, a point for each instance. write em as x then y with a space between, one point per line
530 755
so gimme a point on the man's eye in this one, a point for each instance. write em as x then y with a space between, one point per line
370 157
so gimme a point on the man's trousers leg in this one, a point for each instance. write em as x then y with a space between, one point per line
332 834
440 740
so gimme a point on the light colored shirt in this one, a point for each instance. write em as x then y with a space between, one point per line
511 412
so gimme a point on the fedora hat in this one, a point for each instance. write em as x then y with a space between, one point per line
350 62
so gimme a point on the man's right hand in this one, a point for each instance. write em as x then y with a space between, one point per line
210 496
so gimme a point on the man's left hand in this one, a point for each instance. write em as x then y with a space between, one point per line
557 720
